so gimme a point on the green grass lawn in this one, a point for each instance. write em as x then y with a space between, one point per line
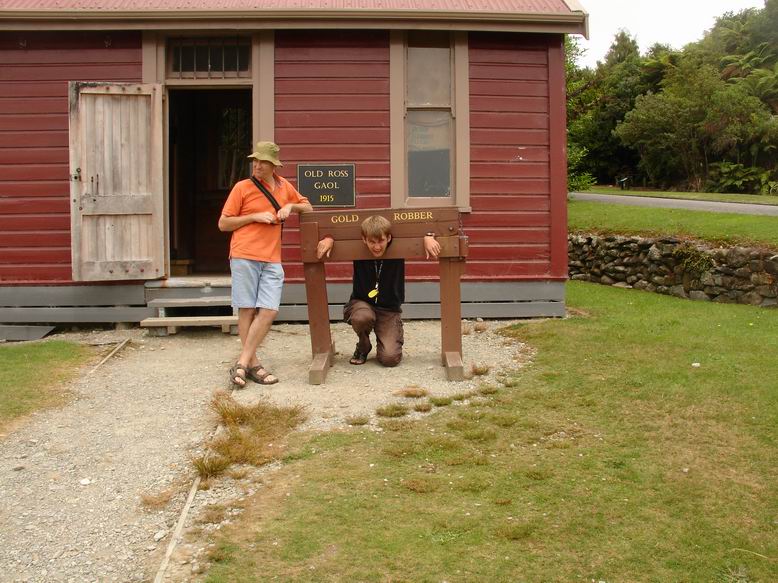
707 196
612 457
726 228
31 373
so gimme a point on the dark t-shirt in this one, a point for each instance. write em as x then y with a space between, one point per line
391 284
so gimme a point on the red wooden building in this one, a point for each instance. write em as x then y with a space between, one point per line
123 128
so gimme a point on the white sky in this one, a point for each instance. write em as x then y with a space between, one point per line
673 22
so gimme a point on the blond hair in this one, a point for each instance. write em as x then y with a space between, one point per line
376 227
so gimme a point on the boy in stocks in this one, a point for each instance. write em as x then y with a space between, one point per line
378 292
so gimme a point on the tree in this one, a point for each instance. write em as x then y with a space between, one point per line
623 48
579 83
613 89
698 119
762 84
743 65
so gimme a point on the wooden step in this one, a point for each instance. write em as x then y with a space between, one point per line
190 302
170 324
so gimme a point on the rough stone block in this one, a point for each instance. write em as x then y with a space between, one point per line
753 298
762 278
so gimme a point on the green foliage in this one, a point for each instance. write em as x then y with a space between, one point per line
697 118
577 180
693 261
619 445
667 117
720 228
21 389
737 178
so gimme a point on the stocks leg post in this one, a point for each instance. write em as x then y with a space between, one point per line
451 318
322 346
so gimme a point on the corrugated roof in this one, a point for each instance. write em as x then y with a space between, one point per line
474 6
558 16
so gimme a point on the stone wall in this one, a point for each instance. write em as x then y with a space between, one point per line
733 275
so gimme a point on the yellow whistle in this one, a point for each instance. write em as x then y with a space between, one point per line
372 293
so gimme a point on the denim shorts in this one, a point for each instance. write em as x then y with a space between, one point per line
256 284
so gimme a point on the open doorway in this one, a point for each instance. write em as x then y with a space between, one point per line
210 137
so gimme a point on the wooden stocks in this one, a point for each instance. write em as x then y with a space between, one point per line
408 229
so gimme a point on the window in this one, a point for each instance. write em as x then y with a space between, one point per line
210 58
429 115
429 118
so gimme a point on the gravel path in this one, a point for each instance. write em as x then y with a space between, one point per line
72 479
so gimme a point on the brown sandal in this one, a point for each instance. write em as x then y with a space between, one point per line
234 374
260 378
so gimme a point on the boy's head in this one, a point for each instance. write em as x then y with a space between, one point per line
376 234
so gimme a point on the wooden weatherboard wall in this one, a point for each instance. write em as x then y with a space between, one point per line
332 106
510 128
35 68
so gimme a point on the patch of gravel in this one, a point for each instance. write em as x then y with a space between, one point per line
72 478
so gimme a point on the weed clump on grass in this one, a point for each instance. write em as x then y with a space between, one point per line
395 424
480 434
441 401
424 407
358 420
460 396
250 434
392 410
538 474
469 458
421 485
401 450
473 485
504 420
209 465
222 552
515 531
412 392
460 425
472 414
487 389
510 383
478 370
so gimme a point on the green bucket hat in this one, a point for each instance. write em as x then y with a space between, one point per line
266 151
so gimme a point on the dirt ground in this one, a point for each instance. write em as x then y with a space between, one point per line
75 482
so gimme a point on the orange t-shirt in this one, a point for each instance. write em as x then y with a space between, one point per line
258 241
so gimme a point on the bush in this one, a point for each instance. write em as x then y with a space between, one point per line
739 179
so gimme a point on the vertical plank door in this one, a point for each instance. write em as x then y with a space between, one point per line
116 181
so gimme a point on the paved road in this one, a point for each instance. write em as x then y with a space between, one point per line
695 205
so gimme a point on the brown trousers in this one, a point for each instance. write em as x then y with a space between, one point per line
388 326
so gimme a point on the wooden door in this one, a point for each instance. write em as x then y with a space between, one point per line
116 181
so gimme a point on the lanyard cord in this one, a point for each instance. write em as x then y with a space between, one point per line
379 265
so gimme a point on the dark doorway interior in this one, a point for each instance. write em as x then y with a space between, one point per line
210 137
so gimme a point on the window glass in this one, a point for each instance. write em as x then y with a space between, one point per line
210 57
429 76
429 142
